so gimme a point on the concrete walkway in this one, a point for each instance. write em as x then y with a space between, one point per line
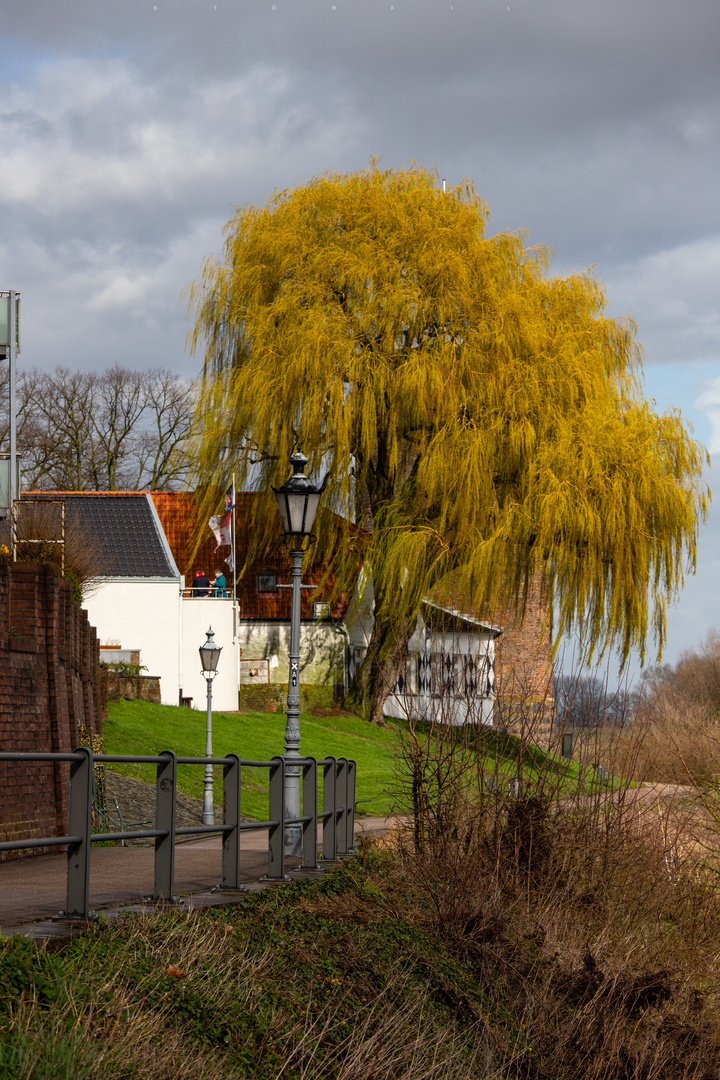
32 890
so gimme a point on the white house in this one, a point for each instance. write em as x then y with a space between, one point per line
450 670
137 602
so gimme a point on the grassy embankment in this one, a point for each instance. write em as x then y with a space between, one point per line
492 938
514 944
136 727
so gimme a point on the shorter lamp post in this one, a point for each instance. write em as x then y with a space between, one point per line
298 502
209 656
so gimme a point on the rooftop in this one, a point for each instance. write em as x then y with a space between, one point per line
123 524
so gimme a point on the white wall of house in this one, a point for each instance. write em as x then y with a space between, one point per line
448 678
322 650
199 613
142 614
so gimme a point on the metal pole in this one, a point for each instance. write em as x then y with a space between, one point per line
232 536
329 803
78 855
208 814
293 833
12 376
278 813
232 782
165 808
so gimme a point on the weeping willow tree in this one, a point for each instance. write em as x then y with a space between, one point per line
482 420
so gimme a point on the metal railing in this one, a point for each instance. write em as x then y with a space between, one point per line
337 818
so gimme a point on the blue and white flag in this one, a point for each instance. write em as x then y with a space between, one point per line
230 497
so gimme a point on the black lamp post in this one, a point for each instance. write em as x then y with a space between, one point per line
298 502
209 656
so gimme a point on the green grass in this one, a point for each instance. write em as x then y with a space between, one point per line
137 727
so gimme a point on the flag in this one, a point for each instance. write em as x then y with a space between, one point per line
229 560
221 526
230 497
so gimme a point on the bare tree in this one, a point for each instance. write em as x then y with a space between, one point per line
121 429
588 701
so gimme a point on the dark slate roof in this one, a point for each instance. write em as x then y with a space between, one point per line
125 528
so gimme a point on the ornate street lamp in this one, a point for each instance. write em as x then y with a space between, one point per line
298 502
209 656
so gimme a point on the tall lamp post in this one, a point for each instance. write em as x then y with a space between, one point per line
209 656
298 502
9 348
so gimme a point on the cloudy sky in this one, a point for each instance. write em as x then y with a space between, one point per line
131 129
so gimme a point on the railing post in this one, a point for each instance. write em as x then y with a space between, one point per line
78 855
231 817
329 822
341 806
276 844
309 809
165 791
350 804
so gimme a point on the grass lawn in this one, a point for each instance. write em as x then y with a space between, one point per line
137 727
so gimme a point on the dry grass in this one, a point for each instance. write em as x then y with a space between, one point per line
593 918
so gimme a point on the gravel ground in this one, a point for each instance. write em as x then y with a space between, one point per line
136 800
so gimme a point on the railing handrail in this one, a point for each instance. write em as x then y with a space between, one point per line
337 821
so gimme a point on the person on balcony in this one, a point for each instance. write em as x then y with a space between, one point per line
219 587
201 584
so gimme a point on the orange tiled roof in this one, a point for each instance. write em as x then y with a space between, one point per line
176 510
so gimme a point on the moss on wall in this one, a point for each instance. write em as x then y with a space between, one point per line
271 697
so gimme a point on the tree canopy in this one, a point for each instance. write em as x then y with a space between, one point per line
84 431
483 419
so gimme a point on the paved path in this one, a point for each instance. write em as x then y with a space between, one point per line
34 888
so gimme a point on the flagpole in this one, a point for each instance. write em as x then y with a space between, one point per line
232 533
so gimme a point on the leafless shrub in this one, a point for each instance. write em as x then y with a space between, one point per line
588 907
39 535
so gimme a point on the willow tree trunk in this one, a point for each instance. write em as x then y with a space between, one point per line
384 662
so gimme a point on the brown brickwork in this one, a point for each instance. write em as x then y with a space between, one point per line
48 686
523 671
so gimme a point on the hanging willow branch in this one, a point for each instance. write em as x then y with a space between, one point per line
482 419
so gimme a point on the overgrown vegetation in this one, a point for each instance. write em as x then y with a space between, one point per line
523 920
521 938
667 731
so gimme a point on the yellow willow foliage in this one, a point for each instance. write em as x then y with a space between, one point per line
486 416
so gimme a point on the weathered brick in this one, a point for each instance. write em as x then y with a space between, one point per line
49 683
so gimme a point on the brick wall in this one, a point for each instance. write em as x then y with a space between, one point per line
523 671
48 686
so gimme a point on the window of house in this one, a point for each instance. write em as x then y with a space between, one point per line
253 672
266 581
321 609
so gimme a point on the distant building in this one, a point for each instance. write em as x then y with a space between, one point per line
461 666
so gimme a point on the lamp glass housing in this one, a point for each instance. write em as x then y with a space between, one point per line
209 653
298 510
298 500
